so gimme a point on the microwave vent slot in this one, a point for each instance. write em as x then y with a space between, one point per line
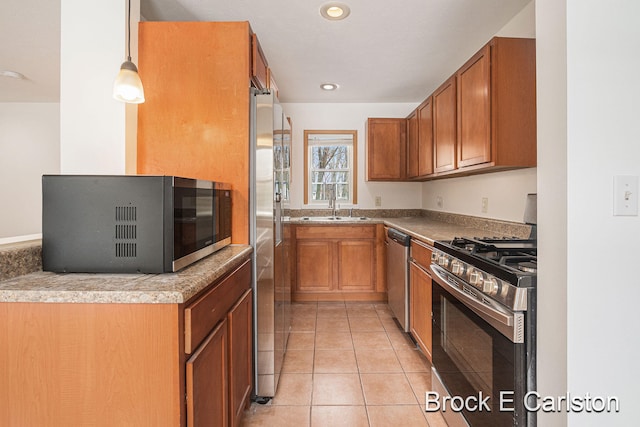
126 213
126 250
126 232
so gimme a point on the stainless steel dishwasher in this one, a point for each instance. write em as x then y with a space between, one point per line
397 244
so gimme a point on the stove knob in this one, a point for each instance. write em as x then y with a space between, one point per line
434 257
476 279
491 286
443 260
458 268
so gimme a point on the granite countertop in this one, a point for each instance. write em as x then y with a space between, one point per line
428 229
168 288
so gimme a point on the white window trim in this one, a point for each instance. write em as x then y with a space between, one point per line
311 170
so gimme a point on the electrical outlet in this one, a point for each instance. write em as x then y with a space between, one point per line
485 204
439 202
378 201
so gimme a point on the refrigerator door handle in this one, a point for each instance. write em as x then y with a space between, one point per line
278 219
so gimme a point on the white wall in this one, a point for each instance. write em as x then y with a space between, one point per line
588 133
551 81
92 124
506 191
29 147
349 117
603 140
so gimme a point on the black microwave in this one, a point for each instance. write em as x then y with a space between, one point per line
131 223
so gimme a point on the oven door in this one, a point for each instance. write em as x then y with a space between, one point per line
473 358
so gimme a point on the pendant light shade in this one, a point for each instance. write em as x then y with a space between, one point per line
128 87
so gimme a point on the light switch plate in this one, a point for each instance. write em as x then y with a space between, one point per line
625 195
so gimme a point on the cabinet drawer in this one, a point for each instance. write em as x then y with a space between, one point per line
336 232
421 253
203 314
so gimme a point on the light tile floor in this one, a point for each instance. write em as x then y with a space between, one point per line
348 364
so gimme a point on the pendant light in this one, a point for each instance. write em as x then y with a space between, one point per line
128 87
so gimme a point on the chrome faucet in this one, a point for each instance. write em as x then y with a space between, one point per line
332 200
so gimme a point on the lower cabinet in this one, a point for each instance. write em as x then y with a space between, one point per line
114 364
207 381
219 374
339 263
240 357
420 297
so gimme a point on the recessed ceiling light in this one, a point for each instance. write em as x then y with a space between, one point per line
334 11
12 74
328 86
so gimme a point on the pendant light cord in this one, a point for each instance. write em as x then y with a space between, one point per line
129 32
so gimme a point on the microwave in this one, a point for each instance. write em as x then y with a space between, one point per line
131 223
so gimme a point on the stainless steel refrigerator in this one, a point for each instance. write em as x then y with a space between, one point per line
269 196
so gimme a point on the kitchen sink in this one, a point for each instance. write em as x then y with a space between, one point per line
335 218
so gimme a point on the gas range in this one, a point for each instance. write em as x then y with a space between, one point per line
498 269
484 317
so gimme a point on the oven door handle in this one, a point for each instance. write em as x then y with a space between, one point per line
509 324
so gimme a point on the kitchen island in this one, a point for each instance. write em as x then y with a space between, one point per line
130 349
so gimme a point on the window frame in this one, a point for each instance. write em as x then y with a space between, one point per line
353 169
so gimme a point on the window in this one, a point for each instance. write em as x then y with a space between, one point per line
330 166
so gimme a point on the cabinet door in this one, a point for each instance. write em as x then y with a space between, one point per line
425 138
412 145
444 126
386 149
474 110
207 381
259 66
420 307
356 265
314 267
240 357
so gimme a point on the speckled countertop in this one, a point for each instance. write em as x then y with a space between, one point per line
168 288
432 225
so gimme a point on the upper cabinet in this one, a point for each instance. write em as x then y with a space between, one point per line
413 148
481 119
196 119
259 66
496 107
444 126
386 141
420 141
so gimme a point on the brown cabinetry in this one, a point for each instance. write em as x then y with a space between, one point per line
420 141
474 110
413 153
338 263
219 373
386 149
420 296
207 381
496 107
444 126
259 65
197 78
240 357
482 119
425 137
108 364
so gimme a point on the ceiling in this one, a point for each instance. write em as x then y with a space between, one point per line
382 52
